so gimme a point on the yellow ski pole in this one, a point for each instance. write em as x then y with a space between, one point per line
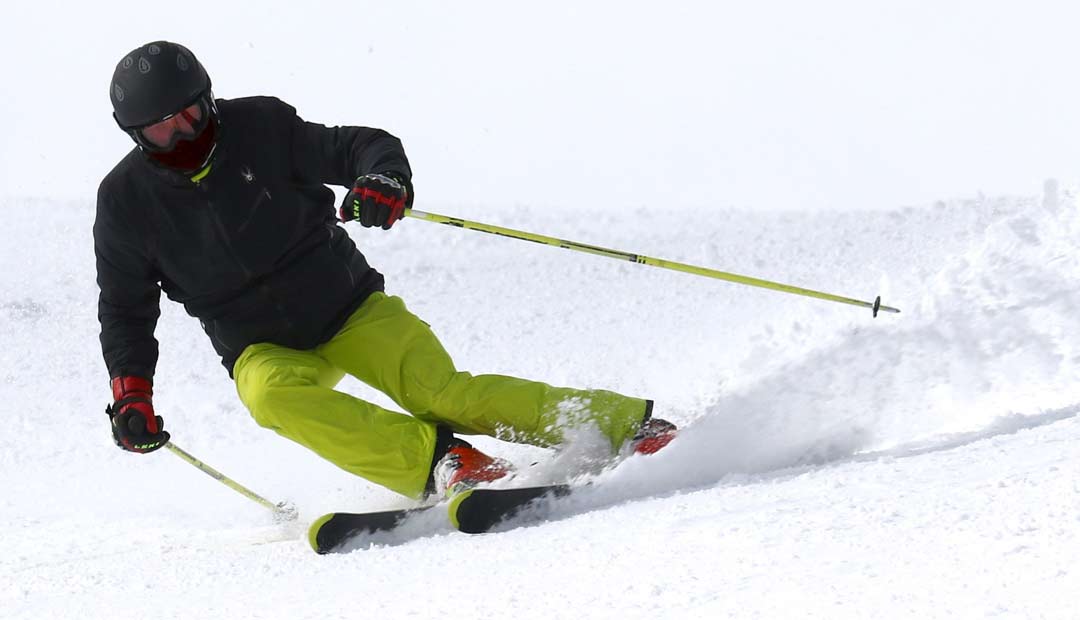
282 511
875 305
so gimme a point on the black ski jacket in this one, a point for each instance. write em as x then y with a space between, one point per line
253 250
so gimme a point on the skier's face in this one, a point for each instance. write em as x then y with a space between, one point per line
185 124
184 141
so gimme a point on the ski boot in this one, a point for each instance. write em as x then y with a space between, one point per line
654 434
463 467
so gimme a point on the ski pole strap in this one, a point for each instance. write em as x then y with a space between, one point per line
875 306
281 510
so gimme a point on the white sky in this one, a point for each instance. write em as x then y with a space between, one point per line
598 105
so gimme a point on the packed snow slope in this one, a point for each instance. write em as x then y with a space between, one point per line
831 464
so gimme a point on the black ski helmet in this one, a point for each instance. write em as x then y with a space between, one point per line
158 82
154 81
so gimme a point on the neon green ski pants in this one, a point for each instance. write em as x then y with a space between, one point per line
387 347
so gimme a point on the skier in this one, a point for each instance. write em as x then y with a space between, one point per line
223 205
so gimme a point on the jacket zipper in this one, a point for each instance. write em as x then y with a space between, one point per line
264 195
263 287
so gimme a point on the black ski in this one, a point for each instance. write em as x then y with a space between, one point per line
329 532
474 511
479 510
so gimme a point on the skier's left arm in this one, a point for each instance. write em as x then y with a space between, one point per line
371 162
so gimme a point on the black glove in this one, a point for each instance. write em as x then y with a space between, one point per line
376 200
135 427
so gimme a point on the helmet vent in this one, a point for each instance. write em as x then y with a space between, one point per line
154 81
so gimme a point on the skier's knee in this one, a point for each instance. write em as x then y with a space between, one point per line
426 392
262 404
269 395
441 392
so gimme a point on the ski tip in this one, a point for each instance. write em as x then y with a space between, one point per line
477 511
313 533
455 503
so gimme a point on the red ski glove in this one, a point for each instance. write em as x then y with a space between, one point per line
135 427
376 200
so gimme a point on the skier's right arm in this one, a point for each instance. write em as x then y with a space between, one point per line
369 161
128 310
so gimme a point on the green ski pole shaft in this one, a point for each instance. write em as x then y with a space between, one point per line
875 305
281 511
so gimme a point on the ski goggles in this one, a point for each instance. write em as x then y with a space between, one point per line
163 135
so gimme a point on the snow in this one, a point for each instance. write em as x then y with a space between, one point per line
833 465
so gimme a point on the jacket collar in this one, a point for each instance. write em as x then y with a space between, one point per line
172 177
